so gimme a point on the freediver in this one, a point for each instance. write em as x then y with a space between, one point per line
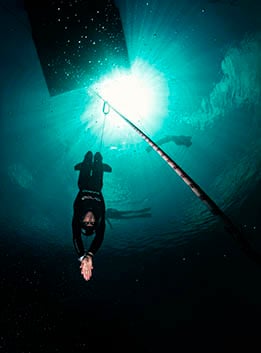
178 140
113 213
89 210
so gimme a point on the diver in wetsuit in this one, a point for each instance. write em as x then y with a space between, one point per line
89 210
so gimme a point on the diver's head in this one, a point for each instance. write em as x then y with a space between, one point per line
88 223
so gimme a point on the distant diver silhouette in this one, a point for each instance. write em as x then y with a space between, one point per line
229 226
113 213
179 140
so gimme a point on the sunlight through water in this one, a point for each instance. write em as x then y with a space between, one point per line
140 94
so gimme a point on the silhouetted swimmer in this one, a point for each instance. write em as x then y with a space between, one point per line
113 213
178 140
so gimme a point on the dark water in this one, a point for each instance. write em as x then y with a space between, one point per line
175 281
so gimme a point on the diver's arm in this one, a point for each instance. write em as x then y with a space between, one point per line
77 239
98 239
86 263
85 259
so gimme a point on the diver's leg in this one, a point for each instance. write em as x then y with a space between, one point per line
85 171
97 172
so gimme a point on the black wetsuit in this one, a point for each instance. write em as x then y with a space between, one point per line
89 198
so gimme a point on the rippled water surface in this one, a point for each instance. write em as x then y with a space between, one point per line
167 279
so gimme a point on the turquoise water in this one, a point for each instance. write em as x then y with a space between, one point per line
205 58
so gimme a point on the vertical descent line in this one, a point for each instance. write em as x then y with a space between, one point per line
196 189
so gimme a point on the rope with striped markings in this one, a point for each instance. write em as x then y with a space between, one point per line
196 189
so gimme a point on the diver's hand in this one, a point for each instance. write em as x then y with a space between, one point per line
86 268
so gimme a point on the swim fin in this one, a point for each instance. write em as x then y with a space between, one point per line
106 167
